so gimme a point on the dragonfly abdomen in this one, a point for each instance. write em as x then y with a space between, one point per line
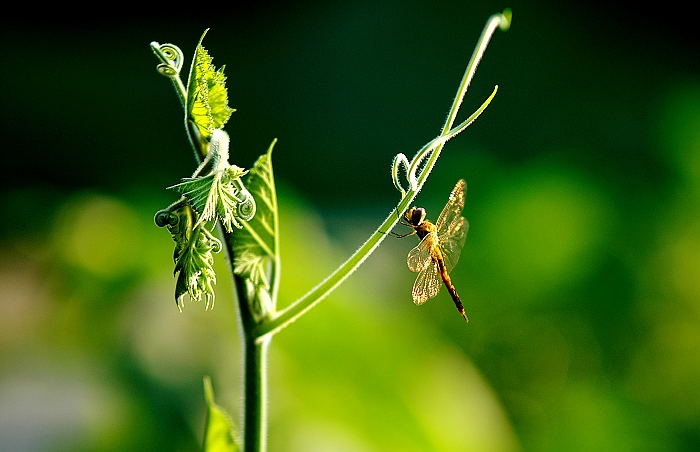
450 287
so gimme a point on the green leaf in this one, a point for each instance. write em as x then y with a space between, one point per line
220 194
201 193
194 267
256 246
215 196
192 255
219 433
207 98
179 221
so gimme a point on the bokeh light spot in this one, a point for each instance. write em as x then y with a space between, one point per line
684 267
542 228
99 234
680 130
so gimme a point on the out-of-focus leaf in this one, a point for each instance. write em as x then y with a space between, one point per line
219 434
207 98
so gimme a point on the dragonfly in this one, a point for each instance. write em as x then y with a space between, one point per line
439 248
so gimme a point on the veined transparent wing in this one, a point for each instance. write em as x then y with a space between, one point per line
427 284
453 209
452 227
453 242
419 257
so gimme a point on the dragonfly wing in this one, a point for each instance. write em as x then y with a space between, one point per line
419 257
452 227
453 242
427 284
453 209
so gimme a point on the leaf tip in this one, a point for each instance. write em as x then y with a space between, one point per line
272 145
506 19
208 390
206 30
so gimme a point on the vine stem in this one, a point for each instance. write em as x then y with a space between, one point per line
254 412
255 357
500 20
285 317
255 401
174 65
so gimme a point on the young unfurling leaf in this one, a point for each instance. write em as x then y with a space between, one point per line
221 194
215 196
178 218
194 267
207 98
192 255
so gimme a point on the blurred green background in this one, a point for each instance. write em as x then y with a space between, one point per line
580 275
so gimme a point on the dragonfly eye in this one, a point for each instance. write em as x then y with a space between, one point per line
417 216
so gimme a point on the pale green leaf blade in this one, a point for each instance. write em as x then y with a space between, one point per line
201 193
218 99
256 245
207 97
198 110
258 239
219 434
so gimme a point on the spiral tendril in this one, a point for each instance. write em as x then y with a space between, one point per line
418 165
216 243
165 217
422 163
171 57
400 160
246 208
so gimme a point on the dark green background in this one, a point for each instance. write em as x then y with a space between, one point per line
581 272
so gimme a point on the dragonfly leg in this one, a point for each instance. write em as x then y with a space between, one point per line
400 236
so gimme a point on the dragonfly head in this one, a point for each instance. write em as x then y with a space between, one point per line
415 216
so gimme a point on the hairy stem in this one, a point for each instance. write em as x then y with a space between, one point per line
255 399
254 413
499 20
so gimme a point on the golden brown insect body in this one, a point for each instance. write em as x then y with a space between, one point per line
439 249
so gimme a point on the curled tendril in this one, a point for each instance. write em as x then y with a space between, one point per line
170 216
424 160
246 208
171 57
416 167
216 243
400 162
246 203
165 217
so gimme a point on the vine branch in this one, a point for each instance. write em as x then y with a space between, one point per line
431 151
